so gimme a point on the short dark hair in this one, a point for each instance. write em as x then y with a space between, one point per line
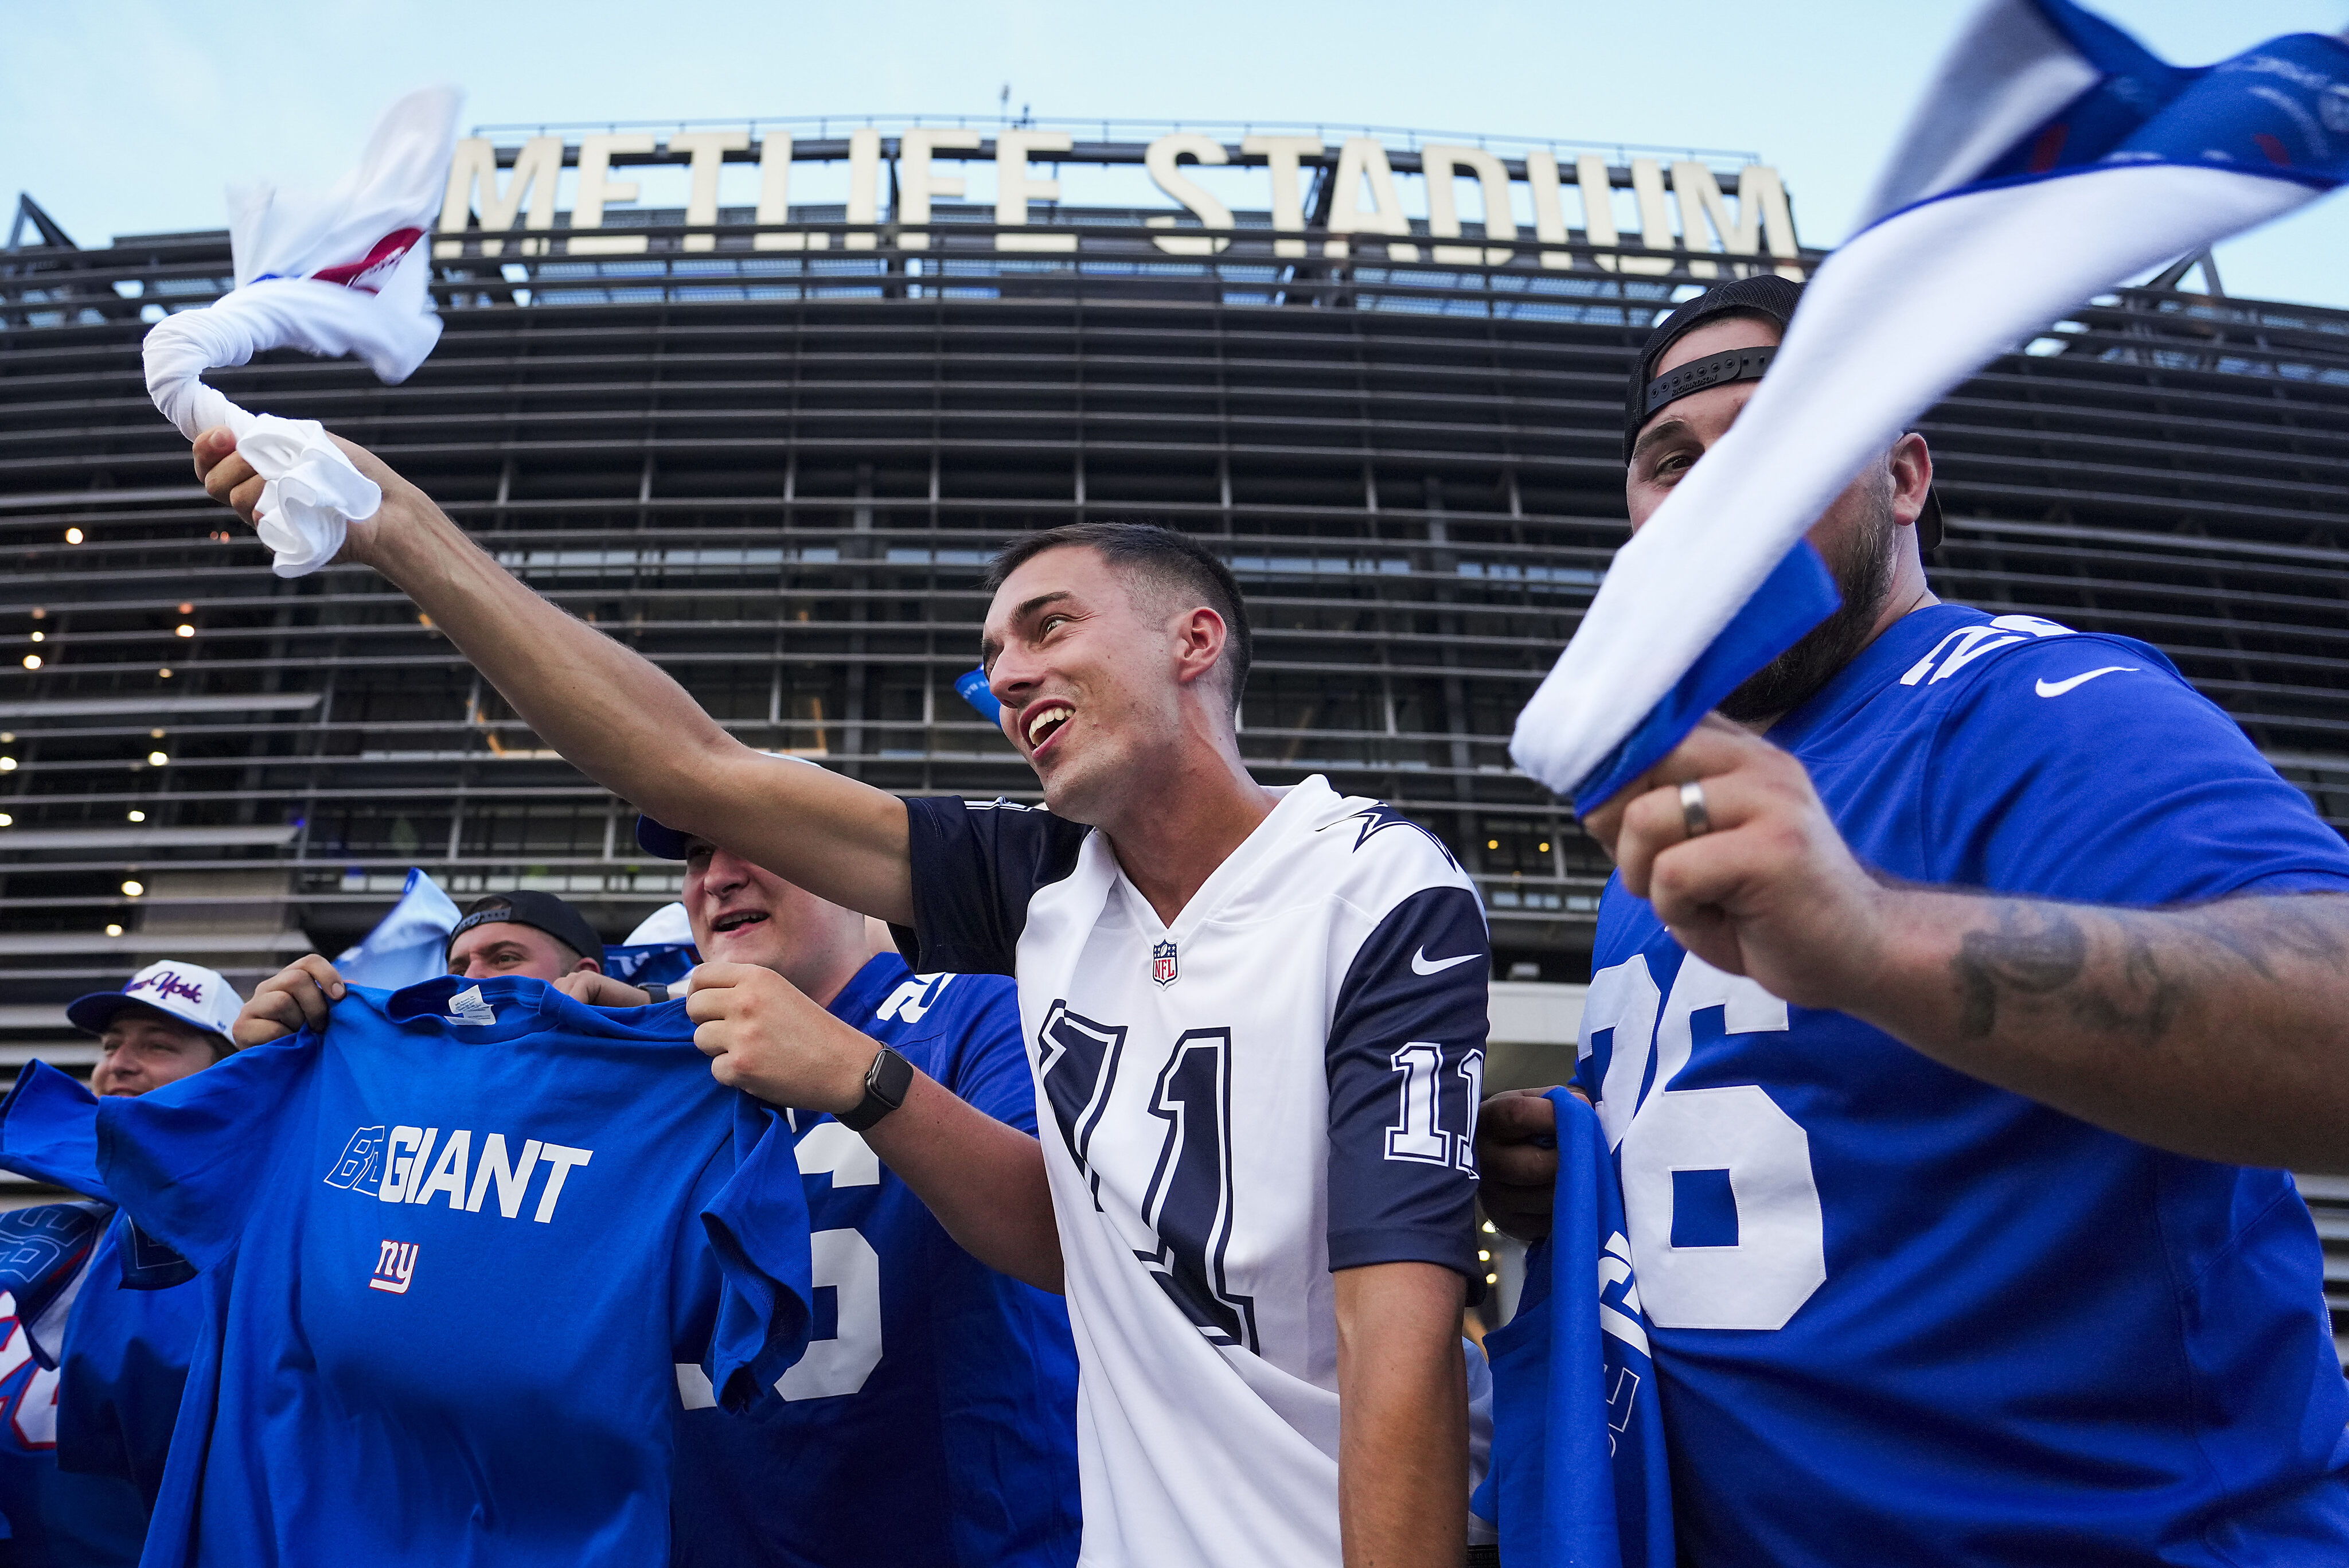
1172 558
542 912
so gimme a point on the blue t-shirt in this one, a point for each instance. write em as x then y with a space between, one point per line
1901 1315
933 1417
458 1251
1579 1472
55 1519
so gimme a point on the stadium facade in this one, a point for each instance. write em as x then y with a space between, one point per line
770 432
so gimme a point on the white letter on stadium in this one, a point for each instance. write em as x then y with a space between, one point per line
1280 154
1362 158
1598 186
1442 165
863 185
1160 158
596 187
1014 189
537 167
1549 211
708 148
775 197
1655 217
916 184
1762 214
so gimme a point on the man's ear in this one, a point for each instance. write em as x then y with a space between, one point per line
1912 464
1200 639
587 966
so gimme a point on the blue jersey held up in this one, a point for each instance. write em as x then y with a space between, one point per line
454 1249
932 1419
1900 1315
1578 1474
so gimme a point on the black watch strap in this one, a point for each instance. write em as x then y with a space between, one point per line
656 989
886 1084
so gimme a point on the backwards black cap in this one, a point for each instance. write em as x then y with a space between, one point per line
1768 296
540 911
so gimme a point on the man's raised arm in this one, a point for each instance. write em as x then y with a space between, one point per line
607 708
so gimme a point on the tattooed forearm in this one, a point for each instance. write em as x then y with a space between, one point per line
2135 973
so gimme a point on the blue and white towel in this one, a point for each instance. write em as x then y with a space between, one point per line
342 272
2052 159
409 945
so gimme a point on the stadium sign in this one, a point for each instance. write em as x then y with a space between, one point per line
518 186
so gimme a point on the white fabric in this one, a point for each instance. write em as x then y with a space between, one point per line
1191 1454
342 272
409 945
1889 323
203 997
667 926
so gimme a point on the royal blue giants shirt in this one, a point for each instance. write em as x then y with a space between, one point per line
1281 1083
1901 1315
933 1418
455 1250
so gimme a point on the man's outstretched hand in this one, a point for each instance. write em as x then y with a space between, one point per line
294 998
231 481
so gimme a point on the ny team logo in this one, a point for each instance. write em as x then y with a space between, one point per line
395 1267
1162 963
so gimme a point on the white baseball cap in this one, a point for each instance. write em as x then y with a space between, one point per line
189 993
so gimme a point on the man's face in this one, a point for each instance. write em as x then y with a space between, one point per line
1856 536
509 948
143 1050
1085 668
742 913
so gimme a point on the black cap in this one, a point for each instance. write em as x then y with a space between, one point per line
1768 296
541 913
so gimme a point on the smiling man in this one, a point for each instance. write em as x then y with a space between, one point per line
1256 1021
933 1418
1939 1031
172 1019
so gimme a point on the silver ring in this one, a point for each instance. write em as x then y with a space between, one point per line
1694 816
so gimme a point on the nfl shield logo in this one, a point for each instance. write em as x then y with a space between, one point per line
1162 963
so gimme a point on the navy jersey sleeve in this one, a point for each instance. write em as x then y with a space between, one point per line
989 1063
2086 768
1406 1061
976 864
186 1160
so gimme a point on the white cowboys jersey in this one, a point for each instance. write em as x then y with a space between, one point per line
1282 1083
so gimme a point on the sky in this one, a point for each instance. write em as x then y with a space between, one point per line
129 116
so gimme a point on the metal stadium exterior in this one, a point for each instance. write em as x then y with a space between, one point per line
774 455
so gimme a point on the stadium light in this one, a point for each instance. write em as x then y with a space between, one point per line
6 820
114 931
133 889
137 817
186 631
40 636
73 536
32 661
7 764
157 759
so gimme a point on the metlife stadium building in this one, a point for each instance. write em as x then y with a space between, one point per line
762 400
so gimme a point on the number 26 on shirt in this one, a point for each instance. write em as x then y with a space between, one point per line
1750 1262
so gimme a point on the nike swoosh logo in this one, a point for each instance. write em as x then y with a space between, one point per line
2057 688
1419 964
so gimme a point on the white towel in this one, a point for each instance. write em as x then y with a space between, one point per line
2052 159
342 272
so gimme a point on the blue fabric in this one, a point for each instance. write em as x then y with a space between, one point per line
2003 1335
2264 111
453 1252
1579 1474
651 963
936 1426
123 1368
48 1131
1798 594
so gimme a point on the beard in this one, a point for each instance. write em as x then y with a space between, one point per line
1864 577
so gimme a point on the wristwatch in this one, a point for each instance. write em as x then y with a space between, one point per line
885 1083
656 990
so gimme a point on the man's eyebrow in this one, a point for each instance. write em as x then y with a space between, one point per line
988 647
1665 432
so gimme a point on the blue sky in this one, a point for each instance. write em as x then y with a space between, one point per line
128 116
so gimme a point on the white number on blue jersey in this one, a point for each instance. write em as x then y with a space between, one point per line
1689 1141
1419 1133
845 1262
